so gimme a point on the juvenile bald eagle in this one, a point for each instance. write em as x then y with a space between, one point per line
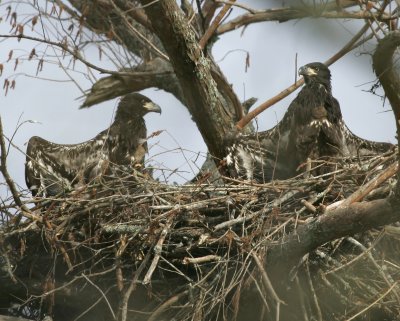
312 127
51 169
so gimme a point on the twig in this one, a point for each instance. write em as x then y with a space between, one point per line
132 287
166 305
102 294
373 303
10 183
158 250
385 276
314 295
371 185
203 259
214 25
268 285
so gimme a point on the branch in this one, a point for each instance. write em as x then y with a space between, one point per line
328 11
194 72
388 73
63 46
210 31
10 183
343 221
155 73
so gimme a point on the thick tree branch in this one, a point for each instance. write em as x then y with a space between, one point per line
327 11
194 72
155 73
343 221
388 72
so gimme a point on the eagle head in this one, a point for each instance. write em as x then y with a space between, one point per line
135 105
316 73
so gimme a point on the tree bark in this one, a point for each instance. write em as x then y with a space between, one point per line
388 73
344 221
194 72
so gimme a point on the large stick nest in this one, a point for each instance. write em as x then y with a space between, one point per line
135 237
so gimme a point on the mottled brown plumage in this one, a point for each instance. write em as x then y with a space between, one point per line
51 169
312 127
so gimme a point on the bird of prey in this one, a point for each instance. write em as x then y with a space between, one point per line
312 127
51 169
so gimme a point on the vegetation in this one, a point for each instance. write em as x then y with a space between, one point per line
307 248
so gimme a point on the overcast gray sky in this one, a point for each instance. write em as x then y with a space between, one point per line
272 46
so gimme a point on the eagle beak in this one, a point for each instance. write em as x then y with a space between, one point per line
307 71
152 107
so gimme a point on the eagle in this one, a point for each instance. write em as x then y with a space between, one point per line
312 127
52 169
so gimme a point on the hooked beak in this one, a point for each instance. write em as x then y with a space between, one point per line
152 107
307 71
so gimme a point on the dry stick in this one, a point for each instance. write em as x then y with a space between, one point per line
3 168
385 276
268 284
158 250
365 252
210 31
371 185
373 303
347 48
166 305
137 33
132 287
314 295
102 294
202 259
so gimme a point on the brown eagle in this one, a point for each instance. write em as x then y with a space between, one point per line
312 127
52 169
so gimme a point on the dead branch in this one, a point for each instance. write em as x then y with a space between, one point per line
326 10
10 183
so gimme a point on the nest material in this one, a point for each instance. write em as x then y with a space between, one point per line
208 242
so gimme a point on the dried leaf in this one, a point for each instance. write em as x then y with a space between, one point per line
10 54
6 85
8 12
16 64
13 20
247 62
1 69
39 66
53 10
154 134
32 54
34 21
13 84
61 10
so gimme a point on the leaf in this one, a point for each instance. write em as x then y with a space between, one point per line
32 54
34 21
10 54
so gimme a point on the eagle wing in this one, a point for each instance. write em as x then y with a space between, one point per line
55 168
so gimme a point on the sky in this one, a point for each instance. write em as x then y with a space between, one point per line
48 105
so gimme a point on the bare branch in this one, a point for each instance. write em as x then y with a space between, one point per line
3 168
326 10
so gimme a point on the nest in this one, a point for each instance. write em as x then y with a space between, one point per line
151 251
